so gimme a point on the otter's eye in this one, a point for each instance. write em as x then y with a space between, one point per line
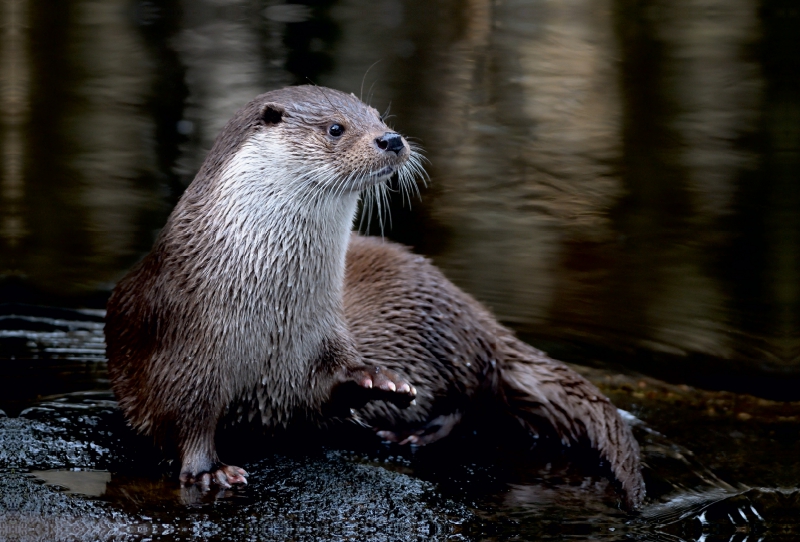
336 130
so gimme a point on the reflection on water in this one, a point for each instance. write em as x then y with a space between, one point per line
610 177
80 482
618 180
14 67
526 160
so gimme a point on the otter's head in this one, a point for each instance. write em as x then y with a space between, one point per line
310 142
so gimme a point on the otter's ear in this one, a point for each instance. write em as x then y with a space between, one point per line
272 113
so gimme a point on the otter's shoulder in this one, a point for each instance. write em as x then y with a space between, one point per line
372 254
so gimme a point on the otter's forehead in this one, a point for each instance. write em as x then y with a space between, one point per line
314 104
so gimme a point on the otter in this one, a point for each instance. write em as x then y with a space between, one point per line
257 302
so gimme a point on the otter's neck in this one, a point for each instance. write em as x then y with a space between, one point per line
270 225
264 248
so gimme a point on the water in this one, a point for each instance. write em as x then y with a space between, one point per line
617 180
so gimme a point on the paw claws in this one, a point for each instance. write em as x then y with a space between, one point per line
223 476
388 385
222 480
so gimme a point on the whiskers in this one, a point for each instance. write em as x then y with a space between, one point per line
375 200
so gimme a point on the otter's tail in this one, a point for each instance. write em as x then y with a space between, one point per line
541 390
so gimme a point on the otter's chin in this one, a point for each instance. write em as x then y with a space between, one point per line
374 178
383 175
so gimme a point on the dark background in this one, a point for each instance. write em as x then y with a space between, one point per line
616 179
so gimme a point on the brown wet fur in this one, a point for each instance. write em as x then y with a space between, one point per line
191 331
237 311
405 313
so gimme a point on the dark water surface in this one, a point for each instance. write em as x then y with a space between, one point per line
618 180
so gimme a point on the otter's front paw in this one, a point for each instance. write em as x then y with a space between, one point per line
358 386
223 476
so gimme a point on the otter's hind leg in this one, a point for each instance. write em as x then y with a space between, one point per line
436 429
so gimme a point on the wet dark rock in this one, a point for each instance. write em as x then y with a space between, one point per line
323 495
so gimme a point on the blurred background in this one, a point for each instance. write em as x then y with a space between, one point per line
616 179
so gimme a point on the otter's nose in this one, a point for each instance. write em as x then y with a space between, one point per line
390 141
